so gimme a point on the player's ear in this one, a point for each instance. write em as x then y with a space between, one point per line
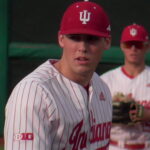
147 45
121 46
107 43
60 40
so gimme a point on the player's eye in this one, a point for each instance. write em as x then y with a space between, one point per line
74 37
86 38
136 44
90 38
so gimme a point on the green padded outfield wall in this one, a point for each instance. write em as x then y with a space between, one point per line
3 59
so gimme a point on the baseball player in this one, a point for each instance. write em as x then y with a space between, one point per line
133 80
63 104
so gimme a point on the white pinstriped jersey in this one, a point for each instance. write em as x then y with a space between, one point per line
139 88
47 111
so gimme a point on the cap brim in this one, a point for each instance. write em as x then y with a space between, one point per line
85 31
139 40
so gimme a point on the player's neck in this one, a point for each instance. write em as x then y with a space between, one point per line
133 70
77 78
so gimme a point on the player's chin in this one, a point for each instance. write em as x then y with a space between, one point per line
135 61
85 69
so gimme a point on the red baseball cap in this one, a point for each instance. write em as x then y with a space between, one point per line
85 18
134 32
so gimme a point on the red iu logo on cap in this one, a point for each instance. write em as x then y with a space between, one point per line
85 16
133 32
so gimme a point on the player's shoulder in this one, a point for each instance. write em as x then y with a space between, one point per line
101 85
42 73
98 81
146 72
40 76
111 73
147 68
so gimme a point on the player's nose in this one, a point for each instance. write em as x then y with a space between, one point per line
83 46
134 48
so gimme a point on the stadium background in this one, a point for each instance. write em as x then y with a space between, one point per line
28 36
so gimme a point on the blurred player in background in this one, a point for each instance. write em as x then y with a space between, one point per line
133 81
63 104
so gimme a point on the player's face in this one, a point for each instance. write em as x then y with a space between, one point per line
134 51
82 53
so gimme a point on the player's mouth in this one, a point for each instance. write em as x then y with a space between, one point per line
134 55
82 60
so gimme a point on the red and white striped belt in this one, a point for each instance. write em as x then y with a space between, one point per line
129 146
